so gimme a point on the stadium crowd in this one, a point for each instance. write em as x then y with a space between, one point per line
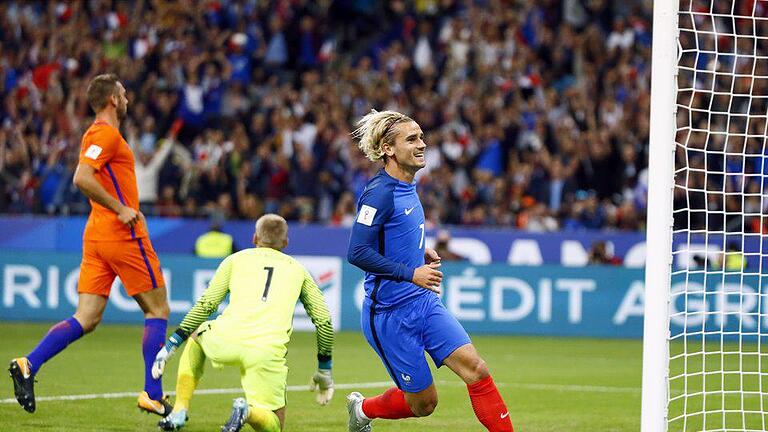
535 112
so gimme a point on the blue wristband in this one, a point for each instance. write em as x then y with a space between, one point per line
174 341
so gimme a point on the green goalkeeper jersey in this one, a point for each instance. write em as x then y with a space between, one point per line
263 285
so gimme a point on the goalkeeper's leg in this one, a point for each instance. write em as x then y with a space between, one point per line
263 420
263 375
191 367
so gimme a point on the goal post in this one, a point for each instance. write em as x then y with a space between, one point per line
659 219
705 344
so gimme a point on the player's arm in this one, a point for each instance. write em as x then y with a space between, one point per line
101 150
159 158
85 180
375 208
209 302
363 252
206 305
314 303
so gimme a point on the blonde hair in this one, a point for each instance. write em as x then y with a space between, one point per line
272 231
376 128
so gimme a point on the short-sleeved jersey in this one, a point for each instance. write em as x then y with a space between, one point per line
263 285
108 153
387 240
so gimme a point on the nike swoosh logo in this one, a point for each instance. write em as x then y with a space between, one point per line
505 415
408 211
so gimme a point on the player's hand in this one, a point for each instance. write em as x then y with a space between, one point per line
428 277
165 354
430 256
322 382
128 216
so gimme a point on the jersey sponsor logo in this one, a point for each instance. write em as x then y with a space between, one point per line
505 415
366 215
93 151
408 211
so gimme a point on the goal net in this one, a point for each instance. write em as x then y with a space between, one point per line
717 313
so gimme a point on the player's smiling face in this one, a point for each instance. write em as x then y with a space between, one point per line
408 148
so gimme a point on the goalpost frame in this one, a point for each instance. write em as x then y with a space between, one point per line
659 219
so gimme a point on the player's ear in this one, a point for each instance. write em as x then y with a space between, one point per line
389 150
285 243
255 239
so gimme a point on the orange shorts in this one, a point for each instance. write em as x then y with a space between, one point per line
134 261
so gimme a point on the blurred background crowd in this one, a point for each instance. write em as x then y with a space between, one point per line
535 111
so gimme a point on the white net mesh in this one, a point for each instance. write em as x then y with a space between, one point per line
718 369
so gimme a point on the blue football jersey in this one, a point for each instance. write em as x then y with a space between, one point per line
387 240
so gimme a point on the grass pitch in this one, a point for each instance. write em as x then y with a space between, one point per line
549 384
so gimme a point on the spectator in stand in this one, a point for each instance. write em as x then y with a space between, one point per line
733 259
443 249
599 254
215 243
523 104
149 162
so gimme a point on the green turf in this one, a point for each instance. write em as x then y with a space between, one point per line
549 385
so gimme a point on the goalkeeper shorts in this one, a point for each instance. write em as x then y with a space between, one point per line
263 369
401 335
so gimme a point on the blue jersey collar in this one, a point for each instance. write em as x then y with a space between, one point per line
385 173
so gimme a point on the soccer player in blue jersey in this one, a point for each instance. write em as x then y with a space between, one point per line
402 314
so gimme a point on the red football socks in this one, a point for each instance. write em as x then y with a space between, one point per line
486 401
488 405
388 405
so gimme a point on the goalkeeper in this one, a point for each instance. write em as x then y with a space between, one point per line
252 331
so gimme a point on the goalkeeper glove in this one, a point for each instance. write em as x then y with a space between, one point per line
322 381
165 353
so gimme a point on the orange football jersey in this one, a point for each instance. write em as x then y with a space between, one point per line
108 153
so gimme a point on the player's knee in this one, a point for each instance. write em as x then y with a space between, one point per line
88 324
424 406
478 370
164 310
160 310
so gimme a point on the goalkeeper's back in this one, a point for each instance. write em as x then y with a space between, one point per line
264 285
